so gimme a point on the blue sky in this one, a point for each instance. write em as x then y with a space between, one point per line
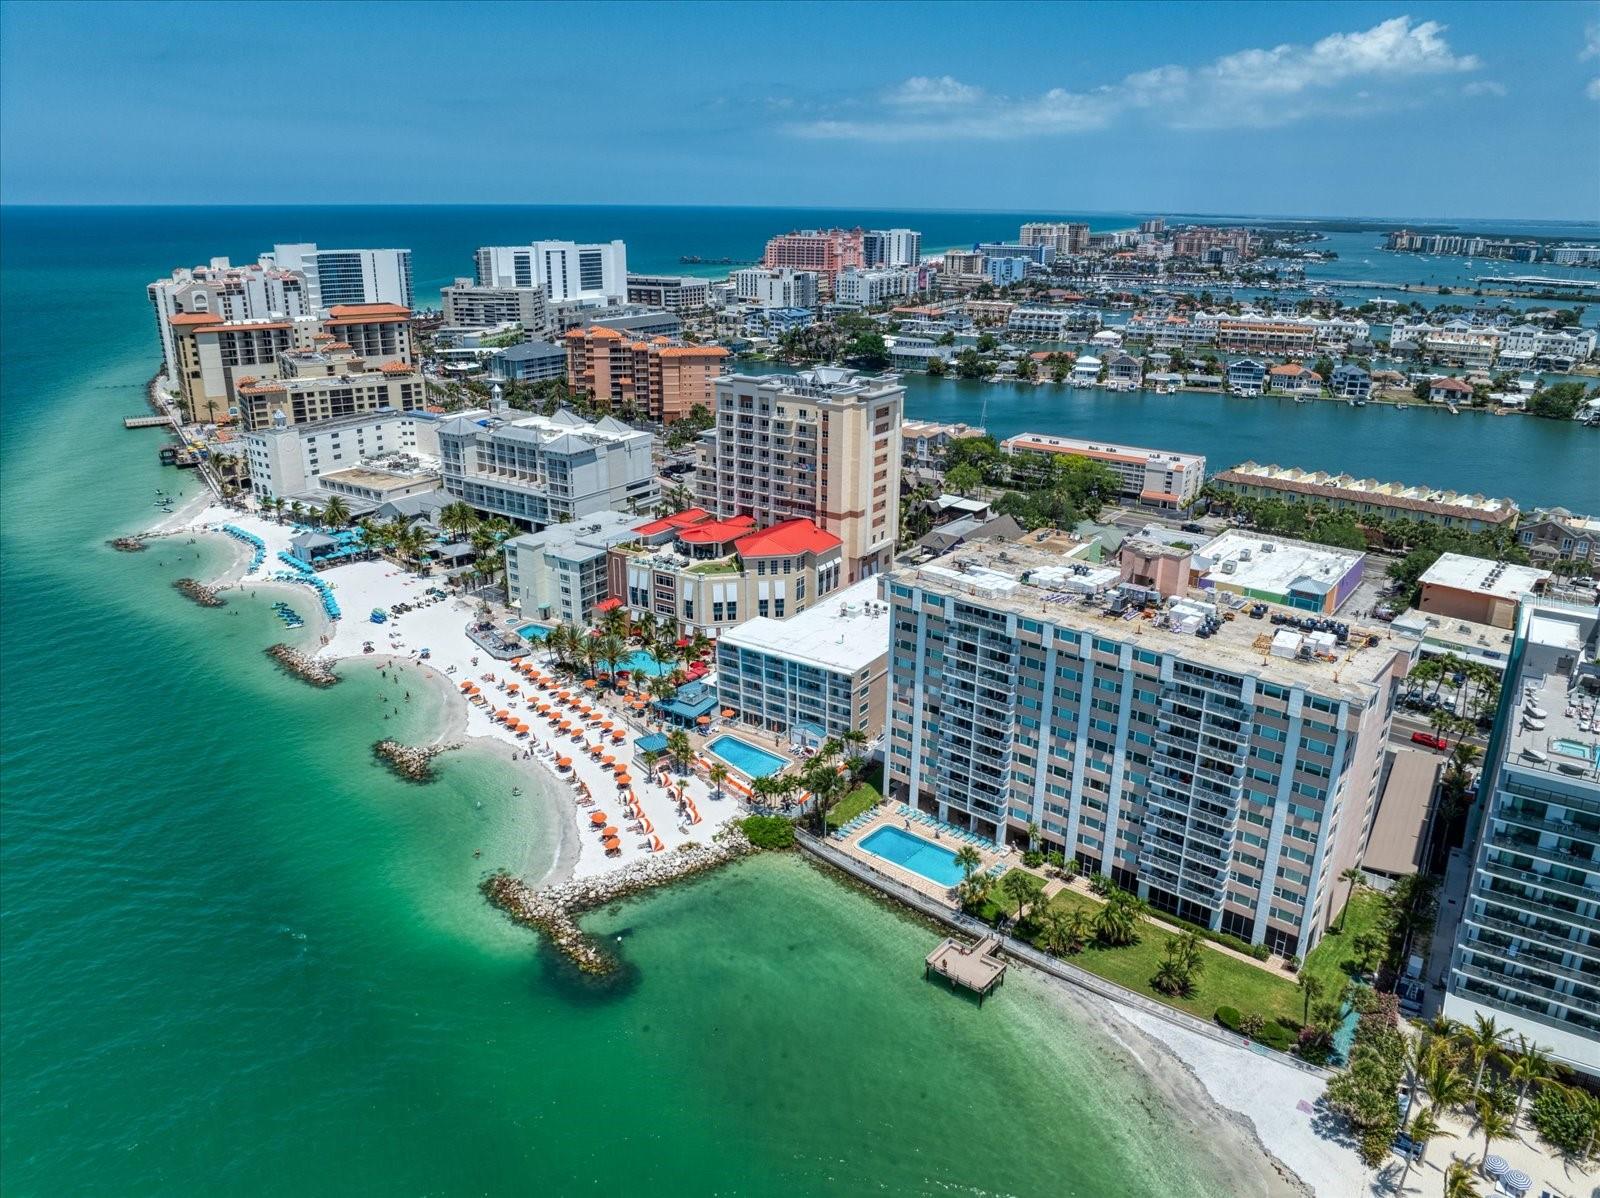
1442 110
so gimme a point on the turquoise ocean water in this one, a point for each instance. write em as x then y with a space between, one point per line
240 958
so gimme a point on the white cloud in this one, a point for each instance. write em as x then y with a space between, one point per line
922 91
1351 72
1593 90
1483 87
1591 42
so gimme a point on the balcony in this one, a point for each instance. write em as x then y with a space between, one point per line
1525 985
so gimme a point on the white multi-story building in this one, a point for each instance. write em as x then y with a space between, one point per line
672 293
815 675
892 247
868 287
335 277
1570 344
469 306
1052 324
1223 783
566 271
559 572
780 287
540 470
289 459
1527 948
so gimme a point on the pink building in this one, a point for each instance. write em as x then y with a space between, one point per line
826 251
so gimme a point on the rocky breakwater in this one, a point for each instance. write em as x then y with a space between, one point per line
205 596
408 761
554 910
128 544
302 665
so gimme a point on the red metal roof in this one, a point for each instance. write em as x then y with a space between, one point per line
792 536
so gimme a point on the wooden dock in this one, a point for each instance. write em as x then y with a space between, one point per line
146 421
975 967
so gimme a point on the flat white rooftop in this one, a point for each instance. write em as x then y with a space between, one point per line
845 632
1483 577
1273 566
1103 450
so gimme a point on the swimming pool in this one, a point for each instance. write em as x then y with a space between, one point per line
640 662
932 861
745 757
1571 748
533 632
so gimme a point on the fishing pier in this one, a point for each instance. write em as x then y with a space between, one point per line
974 967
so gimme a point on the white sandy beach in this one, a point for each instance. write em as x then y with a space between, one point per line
441 629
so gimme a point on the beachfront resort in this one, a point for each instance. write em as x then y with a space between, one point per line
1159 760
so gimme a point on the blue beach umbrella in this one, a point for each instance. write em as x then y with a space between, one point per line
1516 1181
1495 1167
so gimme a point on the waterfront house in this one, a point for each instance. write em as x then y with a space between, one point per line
1246 377
1557 533
1350 382
1367 497
1293 379
1449 390
1085 372
1124 373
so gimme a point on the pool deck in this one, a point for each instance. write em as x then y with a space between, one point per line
888 817
784 760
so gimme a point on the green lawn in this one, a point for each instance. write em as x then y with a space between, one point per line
1224 981
858 800
1332 959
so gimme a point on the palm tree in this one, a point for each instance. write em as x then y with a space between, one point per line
1115 923
1530 1065
651 758
458 518
1493 1121
1458 1181
1423 1128
1483 1041
1055 930
1022 888
1311 988
968 858
1442 1081
411 545
718 774
1353 876
680 750
336 512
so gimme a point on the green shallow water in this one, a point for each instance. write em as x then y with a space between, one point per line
239 957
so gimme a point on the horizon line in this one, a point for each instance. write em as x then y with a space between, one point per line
1135 212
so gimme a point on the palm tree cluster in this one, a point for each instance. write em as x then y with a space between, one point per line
1181 965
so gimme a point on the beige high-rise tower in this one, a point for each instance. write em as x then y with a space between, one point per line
823 444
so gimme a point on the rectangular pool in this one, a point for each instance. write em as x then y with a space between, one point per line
899 847
1571 748
745 757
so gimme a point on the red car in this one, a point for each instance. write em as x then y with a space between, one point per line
1429 739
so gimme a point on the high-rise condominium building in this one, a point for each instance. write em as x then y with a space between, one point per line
826 251
259 291
891 247
469 306
1227 770
782 287
349 276
658 378
1061 236
1527 950
823 445
567 271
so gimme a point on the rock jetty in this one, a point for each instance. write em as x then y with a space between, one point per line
202 594
409 762
128 544
302 665
554 910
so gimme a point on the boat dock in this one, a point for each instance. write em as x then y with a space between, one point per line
146 421
975 967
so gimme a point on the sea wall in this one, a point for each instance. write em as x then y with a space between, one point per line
554 910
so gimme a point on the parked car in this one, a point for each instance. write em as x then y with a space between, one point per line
1193 527
1429 739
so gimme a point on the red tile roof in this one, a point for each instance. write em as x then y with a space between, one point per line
359 313
715 532
792 536
196 318
683 519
